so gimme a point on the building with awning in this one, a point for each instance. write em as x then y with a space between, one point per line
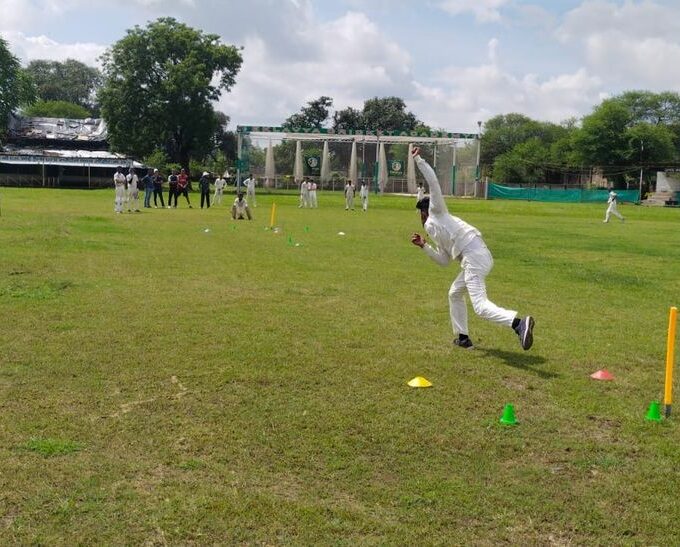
58 152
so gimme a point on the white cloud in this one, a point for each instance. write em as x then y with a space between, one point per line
630 44
463 95
348 59
28 48
484 10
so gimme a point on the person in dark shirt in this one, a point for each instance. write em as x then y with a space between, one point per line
147 181
204 186
172 188
157 188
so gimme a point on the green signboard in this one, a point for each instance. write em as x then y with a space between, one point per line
313 164
325 131
395 168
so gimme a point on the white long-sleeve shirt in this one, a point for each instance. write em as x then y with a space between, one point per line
363 192
451 234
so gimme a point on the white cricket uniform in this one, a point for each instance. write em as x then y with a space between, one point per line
349 196
611 207
250 190
363 193
304 194
421 193
240 209
458 240
119 182
312 195
132 191
220 183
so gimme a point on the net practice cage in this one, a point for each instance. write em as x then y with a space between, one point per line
281 158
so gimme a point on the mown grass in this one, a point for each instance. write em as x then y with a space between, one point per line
228 387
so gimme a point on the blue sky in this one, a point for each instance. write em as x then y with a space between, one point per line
453 61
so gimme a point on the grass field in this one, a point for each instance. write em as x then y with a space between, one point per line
160 384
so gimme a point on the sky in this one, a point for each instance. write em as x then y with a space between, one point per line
454 62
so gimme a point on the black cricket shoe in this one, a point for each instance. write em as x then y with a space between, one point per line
465 343
525 331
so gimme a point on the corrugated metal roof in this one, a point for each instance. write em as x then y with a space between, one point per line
63 129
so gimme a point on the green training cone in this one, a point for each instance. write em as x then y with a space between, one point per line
290 240
508 417
654 412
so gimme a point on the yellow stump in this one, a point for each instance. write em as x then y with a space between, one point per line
670 352
272 217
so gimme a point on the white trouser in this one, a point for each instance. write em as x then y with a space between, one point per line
349 201
312 199
304 198
251 198
218 196
364 202
120 199
133 199
476 265
611 210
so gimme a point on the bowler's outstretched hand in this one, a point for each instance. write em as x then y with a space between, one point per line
418 240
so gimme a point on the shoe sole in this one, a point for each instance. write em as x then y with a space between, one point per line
463 347
528 337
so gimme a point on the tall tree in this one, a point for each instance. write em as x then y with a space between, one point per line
160 83
388 114
57 109
70 81
314 115
348 118
16 87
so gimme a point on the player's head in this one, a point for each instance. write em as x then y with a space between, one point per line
423 206
240 196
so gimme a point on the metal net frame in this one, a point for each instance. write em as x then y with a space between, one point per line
454 156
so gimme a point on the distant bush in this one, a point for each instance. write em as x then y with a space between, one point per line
57 109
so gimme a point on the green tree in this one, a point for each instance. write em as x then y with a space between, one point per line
388 114
16 87
314 115
528 162
602 138
159 86
57 109
70 81
349 118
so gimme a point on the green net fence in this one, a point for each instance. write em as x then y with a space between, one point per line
565 195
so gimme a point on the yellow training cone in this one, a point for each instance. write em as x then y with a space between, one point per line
419 381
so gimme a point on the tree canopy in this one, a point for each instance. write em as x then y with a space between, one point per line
70 81
159 86
57 109
16 87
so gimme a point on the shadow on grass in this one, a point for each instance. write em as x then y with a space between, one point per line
522 361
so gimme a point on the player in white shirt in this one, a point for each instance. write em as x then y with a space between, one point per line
304 194
240 209
363 193
349 196
611 207
458 240
420 192
220 183
312 195
250 189
132 190
119 183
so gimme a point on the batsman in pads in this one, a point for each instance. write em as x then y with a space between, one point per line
455 239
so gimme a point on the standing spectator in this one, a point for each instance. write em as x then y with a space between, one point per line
312 195
204 186
304 193
421 192
157 188
240 209
133 190
147 180
349 195
183 186
611 207
172 188
363 194
250 189
220 183
119 183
